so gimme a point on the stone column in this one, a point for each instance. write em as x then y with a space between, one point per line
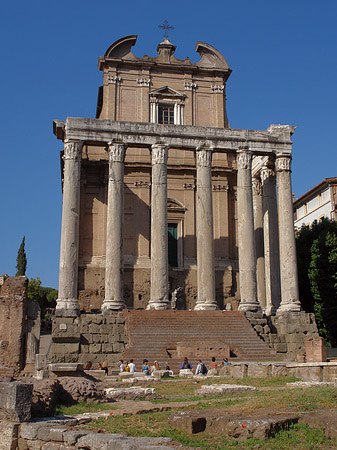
288 262
271 239
159 298
259 244
247 259
205 239
114 240
67 302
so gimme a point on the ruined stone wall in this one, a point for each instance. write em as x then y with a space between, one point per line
89 337
287 333
13 317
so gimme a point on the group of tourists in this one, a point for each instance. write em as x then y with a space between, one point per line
130 366
201 368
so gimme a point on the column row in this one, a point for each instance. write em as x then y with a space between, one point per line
283 261
267 252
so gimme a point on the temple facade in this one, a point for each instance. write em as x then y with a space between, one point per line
164 205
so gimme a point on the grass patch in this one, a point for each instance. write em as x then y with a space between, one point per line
83 407
297 437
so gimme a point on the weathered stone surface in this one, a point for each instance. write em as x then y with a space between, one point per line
130 393
72 436
13 311
325 419
79 388
258 370
44 396
215 389
186 373
96 441
233 426
8 435
15 401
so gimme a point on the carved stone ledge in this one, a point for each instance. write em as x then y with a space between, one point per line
220 187
217 88
143 82
114 80
145 184
189 186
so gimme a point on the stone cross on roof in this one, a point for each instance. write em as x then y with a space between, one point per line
166 27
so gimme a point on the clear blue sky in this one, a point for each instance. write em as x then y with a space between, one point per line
284 61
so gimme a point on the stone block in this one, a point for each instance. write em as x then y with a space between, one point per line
8 435
98 441
51 446
66 347
95 348
56 434
315 349
29 430
279 370
238 371
94 328
107 348
118 347
258 329
310 373
35 445
221 389
280 348
86 338
72 436
22 444
258 370
15 401
329 372
185 373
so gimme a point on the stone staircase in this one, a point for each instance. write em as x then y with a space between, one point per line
168 336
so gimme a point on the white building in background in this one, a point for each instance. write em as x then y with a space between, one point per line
316 204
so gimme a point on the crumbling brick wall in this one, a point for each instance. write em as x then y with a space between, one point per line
13 317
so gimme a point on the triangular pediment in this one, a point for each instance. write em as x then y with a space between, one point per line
166 91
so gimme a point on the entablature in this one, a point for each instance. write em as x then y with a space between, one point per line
276 139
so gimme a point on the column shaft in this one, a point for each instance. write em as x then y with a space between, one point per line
271 240
247 259
159 298
259 244
114 241
205 238
288 262
67 302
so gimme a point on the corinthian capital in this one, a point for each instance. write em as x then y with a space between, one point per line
256 185
204 157
159 153
243 159
72 149
116 151
283 162
266 174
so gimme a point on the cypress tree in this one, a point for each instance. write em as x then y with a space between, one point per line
21 260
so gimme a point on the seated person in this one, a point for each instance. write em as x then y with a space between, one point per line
185 364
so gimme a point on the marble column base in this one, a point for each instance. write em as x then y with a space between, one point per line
206 307
292 306
271 311
250 307
114 305
157 304
67 308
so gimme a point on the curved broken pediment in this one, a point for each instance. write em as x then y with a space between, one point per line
210 56
122 48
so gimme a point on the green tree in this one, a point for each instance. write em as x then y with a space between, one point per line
317 269
44 296
21 260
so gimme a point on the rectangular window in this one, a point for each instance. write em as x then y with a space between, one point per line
172 245
166 114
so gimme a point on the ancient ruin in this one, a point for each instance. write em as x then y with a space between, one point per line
166 207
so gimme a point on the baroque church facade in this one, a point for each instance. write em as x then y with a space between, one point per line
164 205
